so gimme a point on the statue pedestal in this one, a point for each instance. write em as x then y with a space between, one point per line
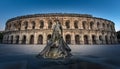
70 63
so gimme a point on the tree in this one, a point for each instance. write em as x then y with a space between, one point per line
1 37
118 36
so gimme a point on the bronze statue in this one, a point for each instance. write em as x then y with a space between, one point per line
56 46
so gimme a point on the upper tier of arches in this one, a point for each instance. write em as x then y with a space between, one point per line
67 23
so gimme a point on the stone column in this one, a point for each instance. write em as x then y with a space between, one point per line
44 38
37 24
116 41
63 36
45 24
90 39
35 38
95 26
82 39
20 39
4 39
22 26
88 21
97 40
109 42
71 24
29 25
8 42
27 38
73 38
104 41
14 39
63 26
80 25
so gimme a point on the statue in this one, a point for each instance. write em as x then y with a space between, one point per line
56 46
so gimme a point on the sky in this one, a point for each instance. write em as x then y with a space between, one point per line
107 9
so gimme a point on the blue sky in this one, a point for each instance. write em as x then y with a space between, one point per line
108 9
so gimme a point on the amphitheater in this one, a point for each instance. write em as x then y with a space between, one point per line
78 29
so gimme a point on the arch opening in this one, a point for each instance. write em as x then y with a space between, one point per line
68 39
40 39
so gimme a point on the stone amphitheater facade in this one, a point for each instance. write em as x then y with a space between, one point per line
77 29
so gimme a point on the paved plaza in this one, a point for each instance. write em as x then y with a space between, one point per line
23 56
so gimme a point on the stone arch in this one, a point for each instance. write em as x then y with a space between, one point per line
14 26
77 39
68 39
31 39
8 26
67 24
111 27
86 40
40 39
76 24
91 25
106 39
103 25
50 24
41 24
111 39
84 24
107 26
94 41
49 36
101 38
11 39
24 39
33 24
19 25
98 25
17 39
7 39
26 25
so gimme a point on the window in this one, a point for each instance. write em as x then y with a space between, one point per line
76 24
17 39
68 39
67 23
77 39
33 24
86 39
94 39
106 39
107 25
26 25
24 39
40 39
103 25
32 39
11 39
84 24
41 24
98 25
7 39
49 24
100 38
91 25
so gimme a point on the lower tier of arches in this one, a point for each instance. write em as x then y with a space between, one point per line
74 39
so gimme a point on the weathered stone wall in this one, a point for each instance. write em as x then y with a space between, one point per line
77 29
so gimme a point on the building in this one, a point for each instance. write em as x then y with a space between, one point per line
77 29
